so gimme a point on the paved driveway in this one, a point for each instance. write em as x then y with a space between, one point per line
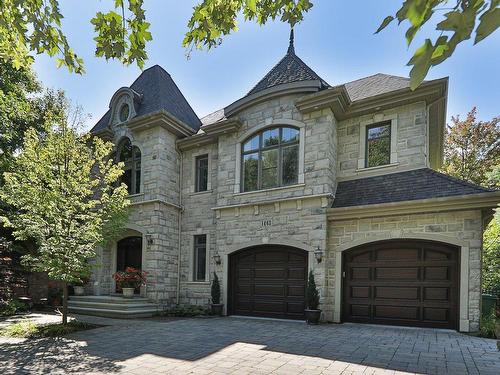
246 346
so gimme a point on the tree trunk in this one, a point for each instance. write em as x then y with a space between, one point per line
65 304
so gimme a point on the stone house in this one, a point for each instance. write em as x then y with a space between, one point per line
298 175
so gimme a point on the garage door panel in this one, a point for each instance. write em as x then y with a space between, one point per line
396 273
271 282
390 292
402 282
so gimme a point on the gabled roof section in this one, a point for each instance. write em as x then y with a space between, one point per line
289 69
417 184
159 93
374 85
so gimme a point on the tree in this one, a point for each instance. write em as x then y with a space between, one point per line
472 148
491 244
122 33
64 190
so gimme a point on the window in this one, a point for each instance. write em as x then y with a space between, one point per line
270 159
124 112
131 158
200 257
201 183
378 145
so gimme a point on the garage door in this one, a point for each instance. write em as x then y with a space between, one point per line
268 281
412 283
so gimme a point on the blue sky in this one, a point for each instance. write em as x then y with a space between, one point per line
335 39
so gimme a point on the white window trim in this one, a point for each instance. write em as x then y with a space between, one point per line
394 139
192 188
191 259
275 123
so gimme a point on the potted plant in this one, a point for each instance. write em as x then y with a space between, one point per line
216 306
129 280
312 300
79 288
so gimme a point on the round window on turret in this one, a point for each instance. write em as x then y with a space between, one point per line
124 112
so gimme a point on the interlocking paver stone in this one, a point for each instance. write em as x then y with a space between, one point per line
247 346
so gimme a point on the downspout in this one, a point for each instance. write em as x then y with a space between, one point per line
179 225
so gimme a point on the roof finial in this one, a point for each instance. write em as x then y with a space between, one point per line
291 48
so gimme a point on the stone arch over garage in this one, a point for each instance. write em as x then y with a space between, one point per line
463 247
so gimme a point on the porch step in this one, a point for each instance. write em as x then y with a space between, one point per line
113 306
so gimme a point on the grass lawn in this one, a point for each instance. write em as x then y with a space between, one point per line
28 329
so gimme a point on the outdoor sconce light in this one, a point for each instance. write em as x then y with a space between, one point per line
217 259
318 254
149 239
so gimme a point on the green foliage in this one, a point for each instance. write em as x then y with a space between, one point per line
312 293
186 311
28 329
213 19
489 325
472 148
491 257
457 26
13 307
215 291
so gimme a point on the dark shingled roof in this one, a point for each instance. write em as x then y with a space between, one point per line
289 69
375 85
403 186
159 93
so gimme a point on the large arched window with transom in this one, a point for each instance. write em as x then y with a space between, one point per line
270 159
130 156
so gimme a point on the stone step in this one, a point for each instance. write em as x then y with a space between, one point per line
112 306
119 314
109 299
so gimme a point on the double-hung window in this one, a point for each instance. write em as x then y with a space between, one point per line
200 257
378 145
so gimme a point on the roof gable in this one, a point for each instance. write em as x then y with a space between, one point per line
159 92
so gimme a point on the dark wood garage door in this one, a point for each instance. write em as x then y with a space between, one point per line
268 281
412 283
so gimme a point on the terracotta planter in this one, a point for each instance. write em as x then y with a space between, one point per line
217 308
312 316
79 290
128 292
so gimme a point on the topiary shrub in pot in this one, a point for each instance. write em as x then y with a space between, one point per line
312 301
216 306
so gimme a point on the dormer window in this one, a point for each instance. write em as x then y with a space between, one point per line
130 156
124 112
270 159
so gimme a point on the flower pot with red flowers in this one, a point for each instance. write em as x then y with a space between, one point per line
129 280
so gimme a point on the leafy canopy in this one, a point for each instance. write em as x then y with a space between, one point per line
123 32
64 190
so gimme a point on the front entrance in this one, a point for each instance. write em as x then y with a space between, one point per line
406 282
129 254
268 281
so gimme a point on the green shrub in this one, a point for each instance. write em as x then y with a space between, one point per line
312 294
28 329
488 325
13 307
24 328
186 311
215 290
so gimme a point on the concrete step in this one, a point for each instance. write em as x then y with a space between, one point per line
109 299
119 314
113 306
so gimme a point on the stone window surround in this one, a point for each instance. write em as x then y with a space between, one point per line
463 246
270 124
192 185
192 234
122 96
137 144
379 118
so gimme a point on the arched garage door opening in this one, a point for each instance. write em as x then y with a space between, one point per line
402 282
268 281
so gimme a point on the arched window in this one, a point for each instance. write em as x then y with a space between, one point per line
131 158
270 159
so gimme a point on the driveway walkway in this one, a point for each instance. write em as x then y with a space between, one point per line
246 346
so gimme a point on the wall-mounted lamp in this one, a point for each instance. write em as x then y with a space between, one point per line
217 259
318 254
149 239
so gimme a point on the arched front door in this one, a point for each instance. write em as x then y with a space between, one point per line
402 282
268 281
129 254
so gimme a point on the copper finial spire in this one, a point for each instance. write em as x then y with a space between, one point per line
291 48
